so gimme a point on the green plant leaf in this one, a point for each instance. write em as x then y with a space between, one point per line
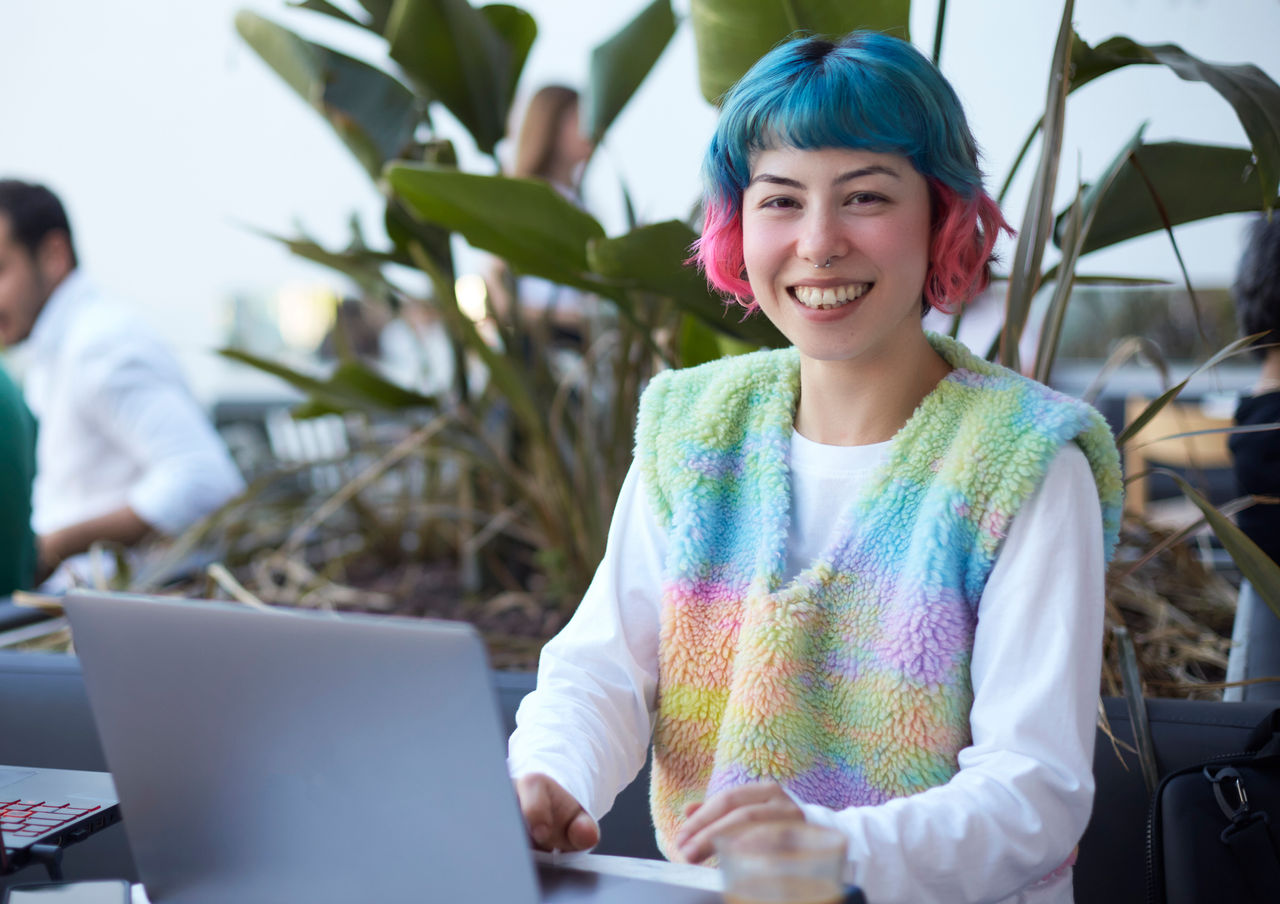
651 259
454 51
362 265
1251 92
373 113
403 227
1258 567
1037 220
732 34
328 9
1192 182
698 342
1078 229
519 30
620 64
524 221
379 12
351 387
1233 348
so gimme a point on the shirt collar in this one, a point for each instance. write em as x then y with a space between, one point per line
56 315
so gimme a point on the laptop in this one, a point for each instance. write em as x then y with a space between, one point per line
300 756
50 808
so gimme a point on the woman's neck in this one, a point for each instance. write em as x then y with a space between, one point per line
855 403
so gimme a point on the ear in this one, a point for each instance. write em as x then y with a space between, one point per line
53 257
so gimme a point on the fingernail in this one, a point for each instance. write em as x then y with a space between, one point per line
541 834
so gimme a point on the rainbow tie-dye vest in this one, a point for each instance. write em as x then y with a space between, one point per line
848 684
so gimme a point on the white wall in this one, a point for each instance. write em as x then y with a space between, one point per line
167 137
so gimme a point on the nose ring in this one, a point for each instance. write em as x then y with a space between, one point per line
824 265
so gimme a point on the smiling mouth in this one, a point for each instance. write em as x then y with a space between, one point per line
824 299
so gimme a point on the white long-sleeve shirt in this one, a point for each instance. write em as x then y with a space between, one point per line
1022 797
118 425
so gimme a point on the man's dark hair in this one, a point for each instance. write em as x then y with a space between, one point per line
1257 286
33 212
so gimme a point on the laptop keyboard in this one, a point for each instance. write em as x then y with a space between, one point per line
33 818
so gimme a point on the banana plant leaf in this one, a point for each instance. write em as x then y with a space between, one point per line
519 30
351 387
620 64
403 228
466 58
524 221
1188 181
328 9
1251 92
651 259
732 34
362 266
373 113
1037 220
379 12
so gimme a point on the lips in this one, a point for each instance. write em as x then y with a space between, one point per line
825 298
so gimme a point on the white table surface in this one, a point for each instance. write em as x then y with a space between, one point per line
655 870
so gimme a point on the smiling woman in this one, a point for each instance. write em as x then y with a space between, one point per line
857 582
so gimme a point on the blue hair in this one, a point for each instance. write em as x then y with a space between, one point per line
866 91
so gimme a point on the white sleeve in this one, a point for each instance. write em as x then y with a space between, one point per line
137 396
588 722
1021 800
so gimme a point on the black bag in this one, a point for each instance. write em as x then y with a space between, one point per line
1213 831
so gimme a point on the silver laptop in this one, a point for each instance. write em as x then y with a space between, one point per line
50 807
288 756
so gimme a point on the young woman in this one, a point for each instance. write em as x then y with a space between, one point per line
858 581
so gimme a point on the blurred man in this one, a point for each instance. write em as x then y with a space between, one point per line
123 449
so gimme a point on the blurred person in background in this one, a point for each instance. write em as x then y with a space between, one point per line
1257 453
17 470
123 449
550 147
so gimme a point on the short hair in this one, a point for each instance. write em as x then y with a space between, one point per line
1257 286
866 91
34 213
540 130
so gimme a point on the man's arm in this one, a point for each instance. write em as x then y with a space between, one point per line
120 526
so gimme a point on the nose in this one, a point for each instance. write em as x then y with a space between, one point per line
822 236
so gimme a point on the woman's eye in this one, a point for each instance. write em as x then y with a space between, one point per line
863 198
784 203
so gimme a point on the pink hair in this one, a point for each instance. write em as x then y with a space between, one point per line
964 234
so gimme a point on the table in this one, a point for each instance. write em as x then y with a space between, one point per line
578 877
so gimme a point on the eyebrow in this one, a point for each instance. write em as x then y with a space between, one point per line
874 169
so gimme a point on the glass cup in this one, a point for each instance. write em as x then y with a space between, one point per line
783 863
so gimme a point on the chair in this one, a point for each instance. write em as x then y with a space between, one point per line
1255 649
1160 444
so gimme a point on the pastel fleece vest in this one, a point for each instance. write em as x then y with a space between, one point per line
848 684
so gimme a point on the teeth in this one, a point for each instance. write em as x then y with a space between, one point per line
825 299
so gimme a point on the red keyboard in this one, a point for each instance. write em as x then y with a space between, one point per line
32 818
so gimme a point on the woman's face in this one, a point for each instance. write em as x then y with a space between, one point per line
869 215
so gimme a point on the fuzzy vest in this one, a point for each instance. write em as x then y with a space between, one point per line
849 684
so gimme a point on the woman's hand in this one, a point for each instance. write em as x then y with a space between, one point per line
556 821
731 809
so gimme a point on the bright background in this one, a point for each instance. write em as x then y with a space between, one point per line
170 141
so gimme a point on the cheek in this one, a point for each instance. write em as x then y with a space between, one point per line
905 249
761 242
